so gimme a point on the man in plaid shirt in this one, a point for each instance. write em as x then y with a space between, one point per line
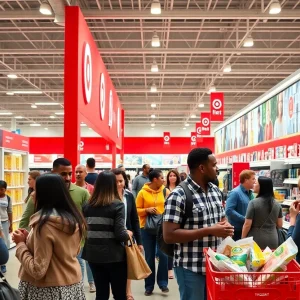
205 229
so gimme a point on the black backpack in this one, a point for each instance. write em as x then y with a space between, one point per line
168 249
6 291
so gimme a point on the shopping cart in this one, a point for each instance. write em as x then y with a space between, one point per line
239 286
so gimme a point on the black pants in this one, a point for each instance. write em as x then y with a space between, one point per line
237 234
114 274
170 263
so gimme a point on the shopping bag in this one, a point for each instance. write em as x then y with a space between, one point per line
6 291
152 224
137 267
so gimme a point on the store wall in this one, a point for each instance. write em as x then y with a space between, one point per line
133 145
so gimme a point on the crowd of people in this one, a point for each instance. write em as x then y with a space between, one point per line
68 228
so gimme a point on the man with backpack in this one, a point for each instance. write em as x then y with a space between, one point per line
194 219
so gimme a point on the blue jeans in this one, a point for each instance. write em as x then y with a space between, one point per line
3 252
5 230
88 269
149 243
192 286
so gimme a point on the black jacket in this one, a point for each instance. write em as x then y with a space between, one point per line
106 233
132 219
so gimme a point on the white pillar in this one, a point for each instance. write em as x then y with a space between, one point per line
13 124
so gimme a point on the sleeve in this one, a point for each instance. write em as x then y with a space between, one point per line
230 210
134 187
174 208
135 222
140 205
280 213
86 197
250 211
37 264
29 211
294 232
9 207
120 231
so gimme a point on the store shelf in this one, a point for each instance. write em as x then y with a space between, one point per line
17 203
263 163
16 171
16 187
280 188
287 202
292 161
291 181
224 167
286 225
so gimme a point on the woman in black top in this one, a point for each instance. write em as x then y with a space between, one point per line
131 216
104 246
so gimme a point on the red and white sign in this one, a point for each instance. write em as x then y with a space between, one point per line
13 141
167 138
205 121
43 158
198 130
193 139
217 107
87 73
102 158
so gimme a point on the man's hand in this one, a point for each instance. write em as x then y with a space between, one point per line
151 210
141 248
222 229
18 237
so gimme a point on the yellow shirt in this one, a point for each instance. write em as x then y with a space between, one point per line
150 198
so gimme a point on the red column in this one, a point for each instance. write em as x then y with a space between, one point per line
114 155
71 84
123 134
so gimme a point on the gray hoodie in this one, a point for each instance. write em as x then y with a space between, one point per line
138 183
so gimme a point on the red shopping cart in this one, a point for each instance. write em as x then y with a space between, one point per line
240 286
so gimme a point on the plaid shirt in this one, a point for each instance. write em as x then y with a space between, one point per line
207 211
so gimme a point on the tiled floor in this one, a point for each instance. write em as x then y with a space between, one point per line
137 286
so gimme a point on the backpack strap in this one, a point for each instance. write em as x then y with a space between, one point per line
165 192
8 200
188 202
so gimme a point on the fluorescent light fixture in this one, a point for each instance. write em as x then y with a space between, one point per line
155 7
83 125
47 103
193 116
152 128
35 125
52 117
28 92
184 128
211 89
153 116
45 9
154 67
187 125
201 105
10 93
153 125
18 117
248 42
60 113
153 88
33 106
12 76
0 125
275 8
227 69
153 105
155 40
46 128
5 113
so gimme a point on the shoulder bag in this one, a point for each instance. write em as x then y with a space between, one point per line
6 291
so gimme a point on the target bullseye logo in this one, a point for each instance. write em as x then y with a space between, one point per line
205 122
118 122
102 96
217 104
166 138
87 73
193 138
199 130
110 116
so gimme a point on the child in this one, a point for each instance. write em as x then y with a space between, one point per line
5 216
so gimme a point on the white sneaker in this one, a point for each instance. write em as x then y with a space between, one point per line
92 288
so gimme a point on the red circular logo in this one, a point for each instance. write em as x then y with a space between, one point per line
199 130
217 104
166 138
193 138
87 73
102 96
205 122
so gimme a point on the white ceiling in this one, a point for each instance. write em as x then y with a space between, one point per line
197 39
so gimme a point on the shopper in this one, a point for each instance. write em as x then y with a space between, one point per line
183 176
140 180
62 167
104 246
173 179
263 215
4 255
49 267
129 182
131 217
205 229
6 216
32 176
150 201
238 200
294 230
81 173
121 167
91 170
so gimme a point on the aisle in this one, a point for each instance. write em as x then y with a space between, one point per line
137 287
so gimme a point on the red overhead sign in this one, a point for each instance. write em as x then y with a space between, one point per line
13 141
205 121
217 106
193 139
167 138
198 129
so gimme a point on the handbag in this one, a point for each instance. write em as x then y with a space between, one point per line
137 267
282 236
6 291
153 222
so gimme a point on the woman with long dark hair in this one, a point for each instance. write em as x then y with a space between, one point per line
48 255
263 215
104 247
32 176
